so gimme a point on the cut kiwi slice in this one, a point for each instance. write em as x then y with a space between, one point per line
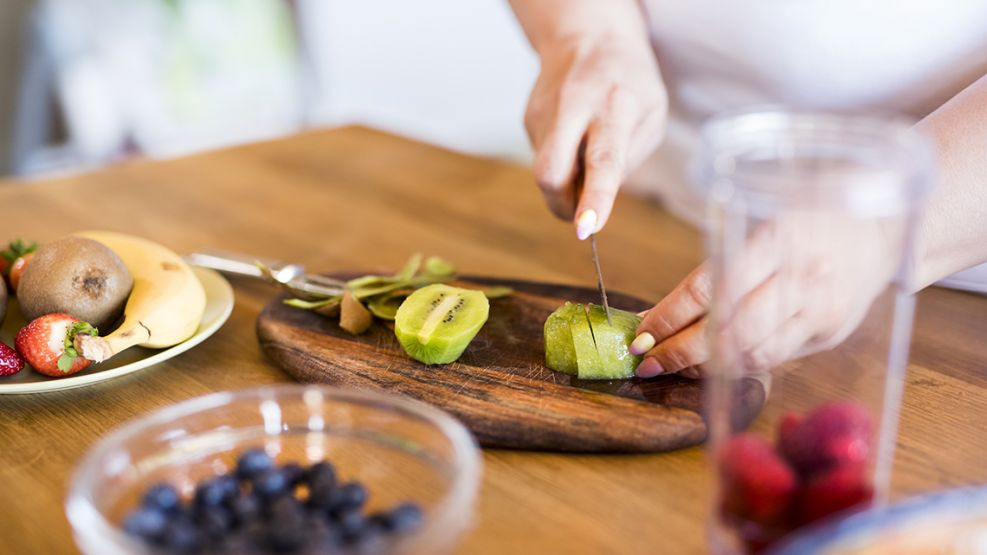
560 354
436 323
592 349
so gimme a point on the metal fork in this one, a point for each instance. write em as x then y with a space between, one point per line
289 275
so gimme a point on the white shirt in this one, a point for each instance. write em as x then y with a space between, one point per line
907 56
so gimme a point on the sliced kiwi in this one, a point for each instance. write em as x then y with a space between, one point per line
578 340
436 323
560 354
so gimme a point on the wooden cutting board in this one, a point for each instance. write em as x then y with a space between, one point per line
500 388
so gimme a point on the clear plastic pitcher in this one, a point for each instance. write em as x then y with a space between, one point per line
811 225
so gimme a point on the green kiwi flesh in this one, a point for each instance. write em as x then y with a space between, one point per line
436 323
592 349
560 353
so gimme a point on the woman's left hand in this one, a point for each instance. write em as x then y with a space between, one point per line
799 286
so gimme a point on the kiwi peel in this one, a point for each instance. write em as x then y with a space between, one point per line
77 276
380 295
436 323
579 341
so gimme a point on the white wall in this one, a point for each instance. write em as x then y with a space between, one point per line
452 72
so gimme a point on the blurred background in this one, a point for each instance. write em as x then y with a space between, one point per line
84 83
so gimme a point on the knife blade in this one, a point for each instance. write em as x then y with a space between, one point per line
599 278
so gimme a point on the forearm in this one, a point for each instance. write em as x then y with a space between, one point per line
552 22
952 232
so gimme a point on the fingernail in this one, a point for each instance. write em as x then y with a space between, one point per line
643 313
586 224
649 368
643 343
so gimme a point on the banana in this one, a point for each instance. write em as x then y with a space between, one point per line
165 306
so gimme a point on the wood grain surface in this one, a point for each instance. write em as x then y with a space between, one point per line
500 387
355 198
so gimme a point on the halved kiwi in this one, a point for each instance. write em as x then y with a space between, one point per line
580 341
436 323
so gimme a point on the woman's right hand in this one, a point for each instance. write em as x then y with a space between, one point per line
599 101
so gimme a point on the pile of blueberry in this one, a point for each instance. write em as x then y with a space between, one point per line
264 508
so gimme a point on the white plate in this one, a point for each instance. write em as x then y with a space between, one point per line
219 305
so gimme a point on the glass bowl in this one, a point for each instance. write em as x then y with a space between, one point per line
951 522
401 450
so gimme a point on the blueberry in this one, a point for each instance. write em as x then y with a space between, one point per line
211 493
252 463
163 497
181 537
321 475
403 518
270 484
236 544
346 498
286 537
351 525
245 508
146 522
320 537
294 474
320 496
214 522
286 510
229 487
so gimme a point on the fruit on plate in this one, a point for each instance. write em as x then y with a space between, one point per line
3 300
580 341
14 259
11 362
758 484
832 435
47 344
77 276
436 323
165 305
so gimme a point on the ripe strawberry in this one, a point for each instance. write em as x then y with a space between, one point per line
17 270
758 484
10 361
835 434
15 250
833 491
787 428
47 344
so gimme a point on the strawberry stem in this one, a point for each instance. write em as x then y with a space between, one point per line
70 354
18 248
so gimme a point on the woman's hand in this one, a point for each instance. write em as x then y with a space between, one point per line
596 111
799 286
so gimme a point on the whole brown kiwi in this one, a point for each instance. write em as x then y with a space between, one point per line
78 276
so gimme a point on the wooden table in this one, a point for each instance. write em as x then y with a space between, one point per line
359 198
